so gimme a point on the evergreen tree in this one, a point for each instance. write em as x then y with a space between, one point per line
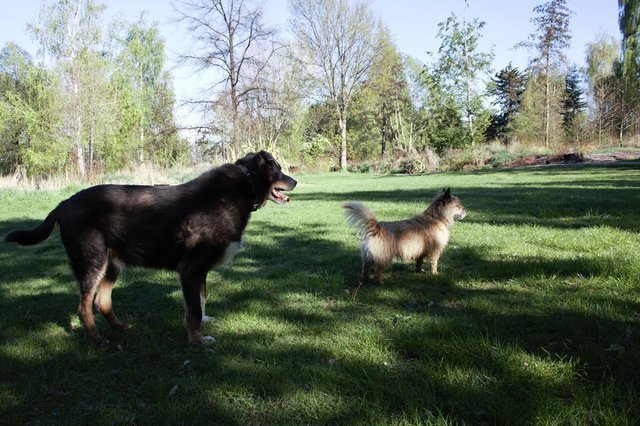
573 105
507 87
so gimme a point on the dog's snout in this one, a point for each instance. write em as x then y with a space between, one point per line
291 182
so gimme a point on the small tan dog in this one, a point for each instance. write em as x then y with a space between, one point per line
409 239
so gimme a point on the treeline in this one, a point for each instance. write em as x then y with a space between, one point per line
98 98
341 92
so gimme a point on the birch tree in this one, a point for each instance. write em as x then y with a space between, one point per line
336 45
69 31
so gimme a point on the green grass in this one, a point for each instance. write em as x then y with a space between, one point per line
535 318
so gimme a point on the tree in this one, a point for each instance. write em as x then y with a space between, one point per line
15 64
389 88
30 117
459 67
69 32
444 123
629 22
507 87
601 56
142 61
573 103
379 108
231 42
337 46
550 39
413 122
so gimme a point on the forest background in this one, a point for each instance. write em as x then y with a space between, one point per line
332 90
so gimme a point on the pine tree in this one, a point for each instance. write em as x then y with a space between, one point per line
507 87
573 103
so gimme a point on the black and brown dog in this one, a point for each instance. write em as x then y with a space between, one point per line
188 228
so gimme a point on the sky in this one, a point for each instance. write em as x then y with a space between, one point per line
413 23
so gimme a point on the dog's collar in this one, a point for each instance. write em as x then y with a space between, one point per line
249 175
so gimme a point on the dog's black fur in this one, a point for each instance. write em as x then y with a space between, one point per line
188 228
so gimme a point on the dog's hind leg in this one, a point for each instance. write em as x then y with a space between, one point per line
89 263
419 262
103 298
379 270
366 266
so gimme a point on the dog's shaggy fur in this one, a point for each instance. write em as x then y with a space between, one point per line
409 239
188 228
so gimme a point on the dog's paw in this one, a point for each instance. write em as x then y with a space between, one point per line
207 340
121 326
421 271
207 318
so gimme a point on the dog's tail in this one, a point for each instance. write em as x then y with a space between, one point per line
359 215
37 234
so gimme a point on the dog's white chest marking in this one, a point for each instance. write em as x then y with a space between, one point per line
230 252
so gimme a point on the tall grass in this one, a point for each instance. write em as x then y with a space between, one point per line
535 318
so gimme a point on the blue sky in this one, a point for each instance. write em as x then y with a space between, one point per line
412 22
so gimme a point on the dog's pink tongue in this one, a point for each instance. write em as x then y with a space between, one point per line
280 197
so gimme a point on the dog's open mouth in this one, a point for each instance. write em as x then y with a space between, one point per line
286 183
277 195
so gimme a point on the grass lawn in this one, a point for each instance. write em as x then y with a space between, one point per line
534 319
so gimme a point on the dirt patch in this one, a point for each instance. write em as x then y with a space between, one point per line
574 158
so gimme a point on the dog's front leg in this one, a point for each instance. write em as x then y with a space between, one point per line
192 290
203 303
419 262
433 259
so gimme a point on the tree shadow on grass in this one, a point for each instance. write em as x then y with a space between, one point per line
561 207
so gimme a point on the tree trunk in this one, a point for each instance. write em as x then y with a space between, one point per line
547 111
77 132
235 104
141 141
343 150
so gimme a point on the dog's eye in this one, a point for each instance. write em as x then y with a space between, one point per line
275 165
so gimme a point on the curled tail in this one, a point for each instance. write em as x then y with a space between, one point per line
359 215
37 234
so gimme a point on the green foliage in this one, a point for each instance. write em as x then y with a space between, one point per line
101 105
630 28
336 43
459 69
30 117
573 106
315 148
507 87
529 123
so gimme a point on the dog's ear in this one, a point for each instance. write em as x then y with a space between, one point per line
259 159
447 193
